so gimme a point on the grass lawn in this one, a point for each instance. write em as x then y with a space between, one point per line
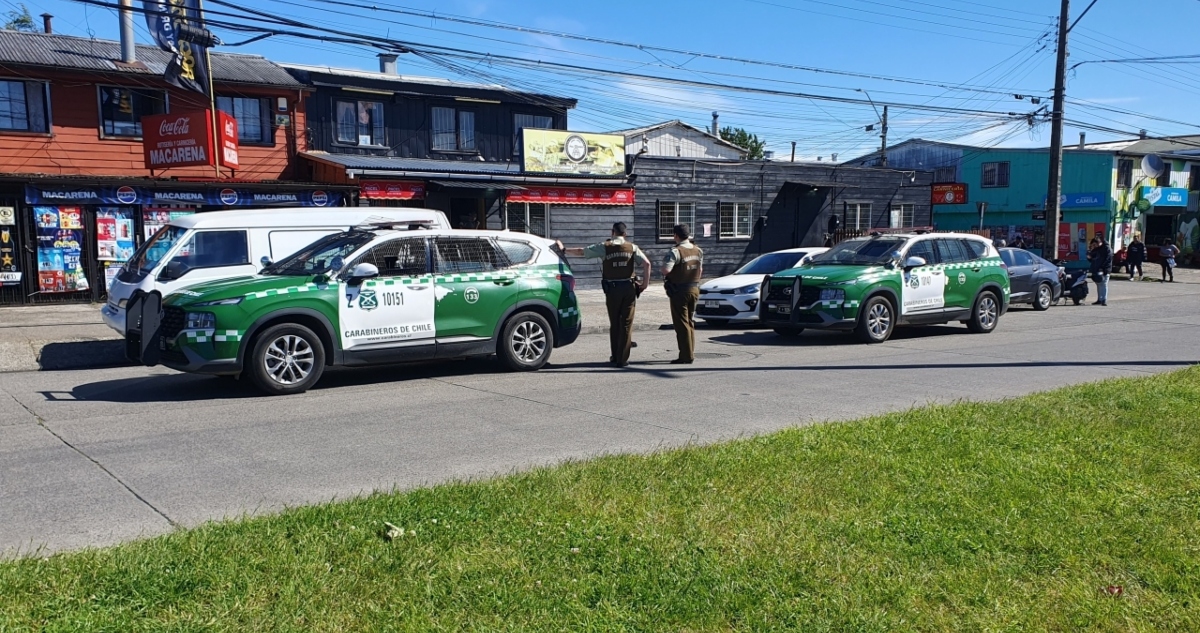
1030 514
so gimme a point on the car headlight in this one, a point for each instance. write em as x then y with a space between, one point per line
232 301
748 290
833 294
201 321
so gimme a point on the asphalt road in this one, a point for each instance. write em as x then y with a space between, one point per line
96 457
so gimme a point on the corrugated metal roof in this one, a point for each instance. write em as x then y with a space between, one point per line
80 53
464 184
338 76
388 163
678 123
366 74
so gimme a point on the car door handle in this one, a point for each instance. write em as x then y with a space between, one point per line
976 269
504 282
417 287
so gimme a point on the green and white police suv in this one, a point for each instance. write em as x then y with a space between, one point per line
870 285
370 296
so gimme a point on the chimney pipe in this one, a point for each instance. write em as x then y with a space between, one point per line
387 63
1082 140
1141 134
128 54
46 17
716 128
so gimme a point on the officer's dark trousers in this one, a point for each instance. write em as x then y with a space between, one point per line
683 308
620 299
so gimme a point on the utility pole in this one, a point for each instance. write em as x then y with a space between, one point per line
1053 187
883 146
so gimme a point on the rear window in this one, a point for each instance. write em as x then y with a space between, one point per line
977 248
517 252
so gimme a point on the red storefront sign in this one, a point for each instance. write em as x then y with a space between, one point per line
573 195
951 193
391 190
180 139
229 139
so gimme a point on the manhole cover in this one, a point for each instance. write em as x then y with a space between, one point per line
699 355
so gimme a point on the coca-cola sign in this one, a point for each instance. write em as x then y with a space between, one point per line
179 139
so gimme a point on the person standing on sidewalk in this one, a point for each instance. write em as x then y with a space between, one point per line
1101 258
1167 254
683 267
621 289
1135 255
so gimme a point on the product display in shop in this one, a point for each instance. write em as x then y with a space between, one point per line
59 249
1074 238
10 271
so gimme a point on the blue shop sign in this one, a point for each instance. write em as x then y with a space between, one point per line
222 196
1165 196
1094 200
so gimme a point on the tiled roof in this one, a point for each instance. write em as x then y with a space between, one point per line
81 53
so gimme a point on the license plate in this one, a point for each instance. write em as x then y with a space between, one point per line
712 304
782 309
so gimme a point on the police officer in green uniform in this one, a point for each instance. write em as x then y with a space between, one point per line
621 287
683 267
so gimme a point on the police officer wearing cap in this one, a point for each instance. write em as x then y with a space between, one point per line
683 267
621 287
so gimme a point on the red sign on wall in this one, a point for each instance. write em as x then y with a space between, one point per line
229 139
573 195
950 193
180 139
391 190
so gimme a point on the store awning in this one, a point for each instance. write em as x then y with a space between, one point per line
574 195
466 184
391 190
214 194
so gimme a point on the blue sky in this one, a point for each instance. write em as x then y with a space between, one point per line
985 50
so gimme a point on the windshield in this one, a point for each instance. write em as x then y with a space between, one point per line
150 254
770 264
317 258
862 252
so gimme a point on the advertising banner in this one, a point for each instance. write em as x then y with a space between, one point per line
114 234
182 139
391 190
155 219
229 139
1165 196
188 68
227 196
1074 238
573 195
59 249
950 193
580 153
10 270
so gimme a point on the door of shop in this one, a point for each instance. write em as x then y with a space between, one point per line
1159 227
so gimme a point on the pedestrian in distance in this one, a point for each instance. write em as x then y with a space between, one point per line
621 286
1167 255
1135 255
1101 258
683 267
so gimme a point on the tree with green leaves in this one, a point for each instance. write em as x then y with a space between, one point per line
20 20
745 140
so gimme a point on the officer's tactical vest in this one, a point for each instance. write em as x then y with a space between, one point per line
618 261
687 269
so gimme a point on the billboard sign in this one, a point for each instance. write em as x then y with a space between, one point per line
572 153
950 193
182 139
229 139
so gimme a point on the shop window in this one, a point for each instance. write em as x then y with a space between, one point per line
995 175
526 217
858 216
735 219
672 213
253 119
534 121
122 109
360 123
1125 173
403 257
453 130
23 106
903 215
466 255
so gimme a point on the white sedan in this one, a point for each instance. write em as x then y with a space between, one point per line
734 298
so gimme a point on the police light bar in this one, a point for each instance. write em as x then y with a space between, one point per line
411 225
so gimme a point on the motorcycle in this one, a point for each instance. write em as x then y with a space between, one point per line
1076 287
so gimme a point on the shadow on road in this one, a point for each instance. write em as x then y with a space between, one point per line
824 338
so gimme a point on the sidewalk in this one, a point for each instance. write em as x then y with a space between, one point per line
73 336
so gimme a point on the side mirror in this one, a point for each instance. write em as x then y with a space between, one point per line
173 270
914 262
265 261
361 273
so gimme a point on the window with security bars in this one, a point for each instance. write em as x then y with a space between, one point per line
858 216
23 106
404 257
466 255
526 217
672 213
735 219
1124 173
995 175
945 174
903 215
517 252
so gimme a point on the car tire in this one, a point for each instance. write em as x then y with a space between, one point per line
1043 298
286 359
526 342
789 332
876 320
985 313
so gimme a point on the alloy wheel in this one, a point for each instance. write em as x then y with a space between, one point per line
288 359
528 341
879 320
987 312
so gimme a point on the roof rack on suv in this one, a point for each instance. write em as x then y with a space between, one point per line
377 225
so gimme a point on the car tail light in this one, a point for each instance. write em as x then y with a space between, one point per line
568 281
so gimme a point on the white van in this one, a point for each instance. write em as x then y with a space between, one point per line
224 244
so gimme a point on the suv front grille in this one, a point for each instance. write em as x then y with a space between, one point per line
173 320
